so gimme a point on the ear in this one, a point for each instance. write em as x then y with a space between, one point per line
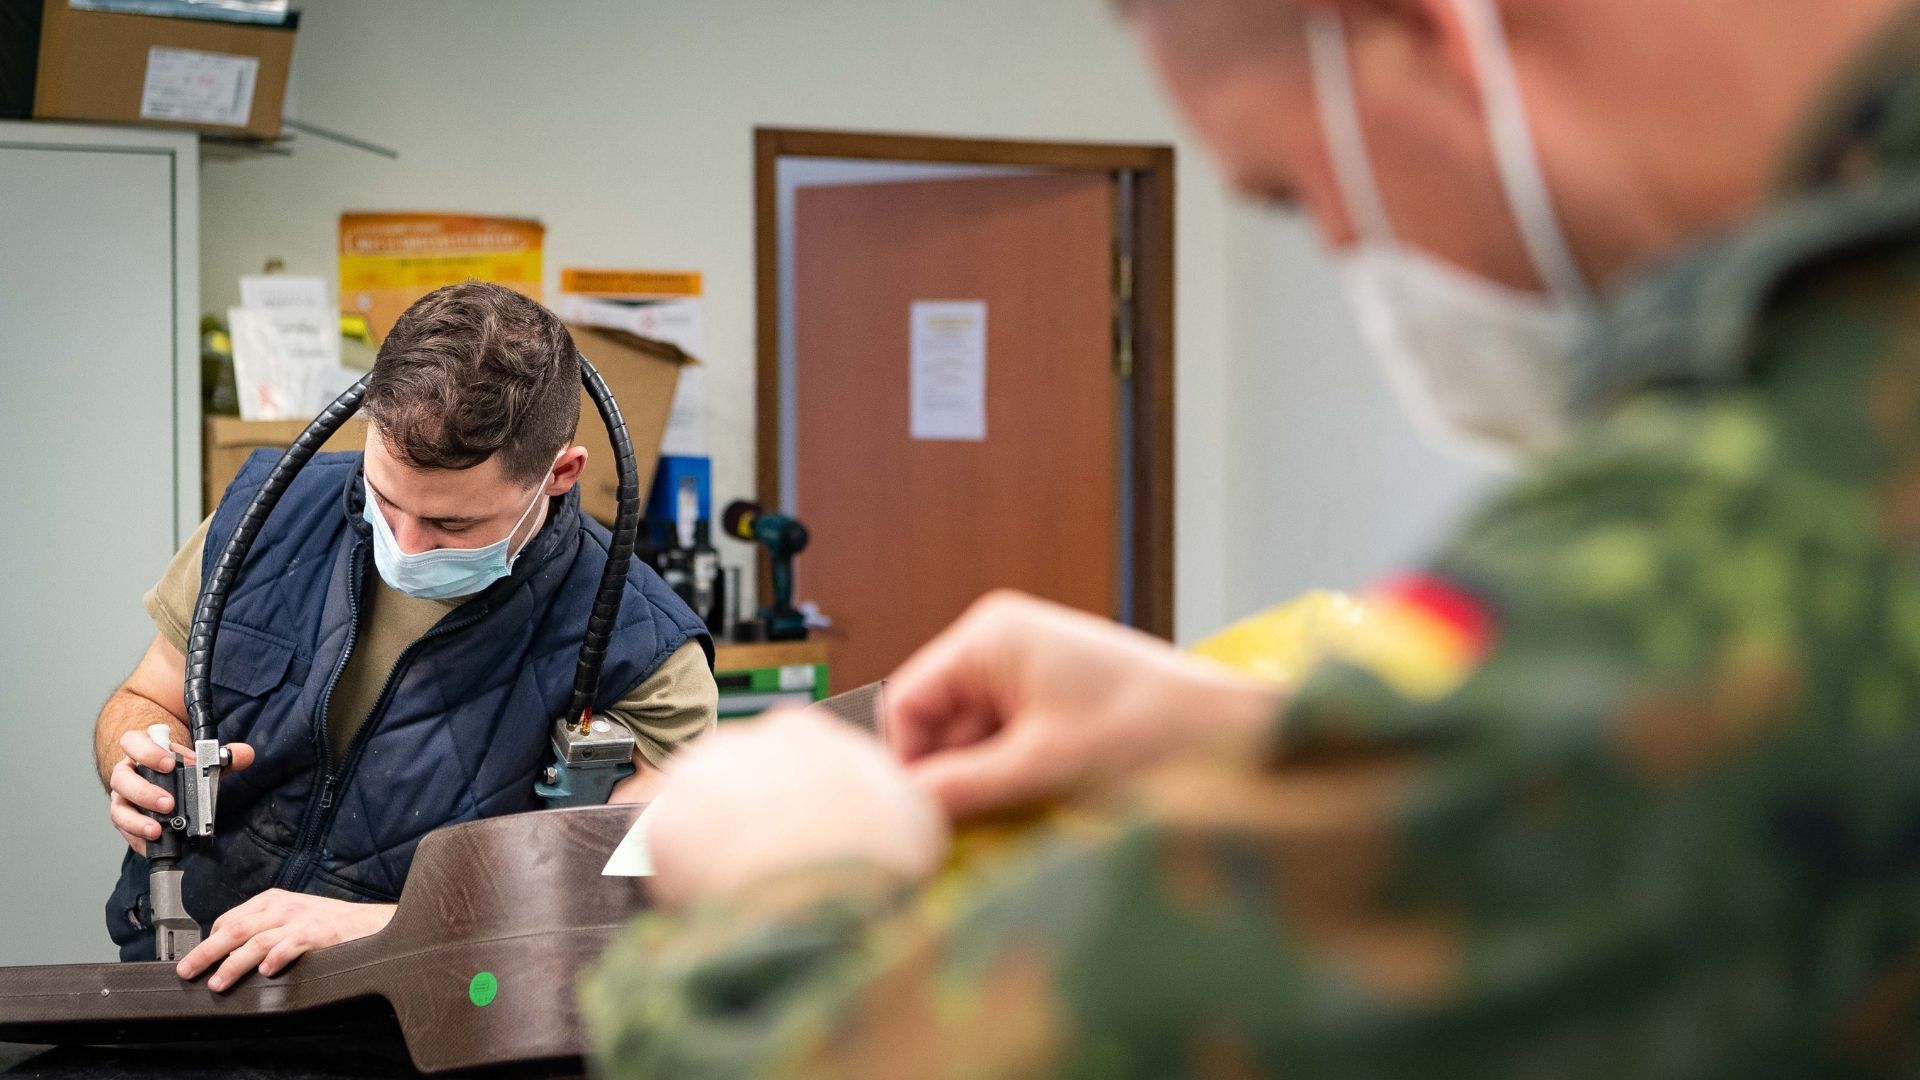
566 470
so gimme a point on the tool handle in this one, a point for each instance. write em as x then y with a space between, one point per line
171 843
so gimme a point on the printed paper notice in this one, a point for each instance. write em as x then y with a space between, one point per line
949 377
277 355
284 291
661 304
197 87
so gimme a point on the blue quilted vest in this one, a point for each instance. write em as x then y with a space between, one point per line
459 732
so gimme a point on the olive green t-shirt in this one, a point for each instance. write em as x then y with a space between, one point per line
676 703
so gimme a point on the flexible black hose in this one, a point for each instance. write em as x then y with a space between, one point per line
626 528
213 592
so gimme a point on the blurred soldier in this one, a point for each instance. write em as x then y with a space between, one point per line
1622 783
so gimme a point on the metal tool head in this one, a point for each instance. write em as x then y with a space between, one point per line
202 783
174 931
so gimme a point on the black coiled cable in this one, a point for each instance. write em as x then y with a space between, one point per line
626 527
213 592
606 604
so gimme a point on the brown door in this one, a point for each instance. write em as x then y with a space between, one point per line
908 531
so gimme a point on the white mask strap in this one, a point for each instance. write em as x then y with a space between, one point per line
1340 121
1515 155
539 494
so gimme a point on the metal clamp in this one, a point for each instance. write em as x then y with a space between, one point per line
586 763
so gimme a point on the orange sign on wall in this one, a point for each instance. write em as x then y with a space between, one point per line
387 261
630 284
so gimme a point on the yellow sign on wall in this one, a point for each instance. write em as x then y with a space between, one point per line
387 261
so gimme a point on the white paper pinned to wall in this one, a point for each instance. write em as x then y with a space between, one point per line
284 291
949 370
277 355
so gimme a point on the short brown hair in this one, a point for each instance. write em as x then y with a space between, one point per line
474 370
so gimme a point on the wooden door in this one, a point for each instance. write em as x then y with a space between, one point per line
908 531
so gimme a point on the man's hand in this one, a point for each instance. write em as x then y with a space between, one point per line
129 795
275 928
754 800
1022 699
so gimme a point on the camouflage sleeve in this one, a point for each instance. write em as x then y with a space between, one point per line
1567 816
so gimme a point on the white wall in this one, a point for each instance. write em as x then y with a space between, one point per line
626 127
1328 484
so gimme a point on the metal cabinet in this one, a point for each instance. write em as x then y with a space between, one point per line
99 467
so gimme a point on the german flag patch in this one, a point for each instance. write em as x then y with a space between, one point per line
1422 636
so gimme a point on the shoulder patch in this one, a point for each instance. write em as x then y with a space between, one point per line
1422 635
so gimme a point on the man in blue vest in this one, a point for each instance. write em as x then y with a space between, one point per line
398 645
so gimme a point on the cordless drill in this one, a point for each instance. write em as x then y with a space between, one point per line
783 537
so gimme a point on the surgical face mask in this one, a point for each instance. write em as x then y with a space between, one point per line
440 573
1483 368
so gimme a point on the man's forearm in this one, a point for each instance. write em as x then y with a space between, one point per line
127 711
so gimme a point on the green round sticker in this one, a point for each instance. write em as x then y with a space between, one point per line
483 988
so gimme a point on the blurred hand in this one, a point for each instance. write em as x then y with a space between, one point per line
128 795
1022 699
274 929
782 793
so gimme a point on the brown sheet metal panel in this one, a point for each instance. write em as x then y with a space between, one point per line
498 919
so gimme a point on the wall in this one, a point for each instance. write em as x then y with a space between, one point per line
627 128
1329 486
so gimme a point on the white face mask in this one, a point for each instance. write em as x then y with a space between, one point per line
1481 367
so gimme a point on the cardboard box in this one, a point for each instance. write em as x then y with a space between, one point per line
227 440
224 78
642 374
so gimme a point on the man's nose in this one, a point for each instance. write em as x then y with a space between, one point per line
411 536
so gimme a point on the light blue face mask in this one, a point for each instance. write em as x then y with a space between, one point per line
440 573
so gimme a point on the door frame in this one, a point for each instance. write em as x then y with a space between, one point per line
1151 472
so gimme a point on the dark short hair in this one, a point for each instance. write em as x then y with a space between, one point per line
474 370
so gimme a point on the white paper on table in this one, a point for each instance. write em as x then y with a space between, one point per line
633 857
949 370
199 87
284 291
276 355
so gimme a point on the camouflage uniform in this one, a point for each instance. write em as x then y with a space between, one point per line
1665 823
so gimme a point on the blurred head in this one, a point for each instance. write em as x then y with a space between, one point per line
1485 169
1654 121
472 407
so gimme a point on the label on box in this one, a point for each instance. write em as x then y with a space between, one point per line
198 87
796 677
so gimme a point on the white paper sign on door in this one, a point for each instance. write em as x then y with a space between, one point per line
949 370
